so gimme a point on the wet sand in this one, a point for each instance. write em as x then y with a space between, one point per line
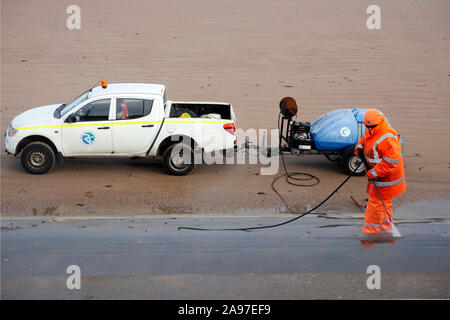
249 53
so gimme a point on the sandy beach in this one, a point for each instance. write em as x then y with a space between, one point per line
248 53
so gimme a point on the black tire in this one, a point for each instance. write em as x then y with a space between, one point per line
37 158
175 160
349 161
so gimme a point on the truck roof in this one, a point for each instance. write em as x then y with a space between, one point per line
114 88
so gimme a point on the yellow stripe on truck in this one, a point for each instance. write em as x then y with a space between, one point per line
40 127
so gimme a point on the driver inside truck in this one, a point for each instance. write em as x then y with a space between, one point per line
122 110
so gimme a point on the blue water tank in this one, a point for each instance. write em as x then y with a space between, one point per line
338 129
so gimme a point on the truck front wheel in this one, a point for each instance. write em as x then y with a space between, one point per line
37 158
178 159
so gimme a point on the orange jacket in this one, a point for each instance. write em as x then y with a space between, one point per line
383 152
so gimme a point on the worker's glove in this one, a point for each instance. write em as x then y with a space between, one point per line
363 158
360 153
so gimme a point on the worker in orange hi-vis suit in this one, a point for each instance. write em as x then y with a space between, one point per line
383 152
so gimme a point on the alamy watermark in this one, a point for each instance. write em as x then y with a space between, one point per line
74 280
374 281
74 19
374 20
251 146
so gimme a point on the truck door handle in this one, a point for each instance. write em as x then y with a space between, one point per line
147 126
103 128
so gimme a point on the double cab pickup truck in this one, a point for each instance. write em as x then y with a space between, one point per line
121 120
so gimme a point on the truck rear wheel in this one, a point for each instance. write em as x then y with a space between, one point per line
37 158
178 159
350 161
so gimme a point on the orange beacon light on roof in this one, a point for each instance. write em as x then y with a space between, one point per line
104 84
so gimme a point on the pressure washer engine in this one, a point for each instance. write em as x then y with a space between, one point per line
333 134
299 137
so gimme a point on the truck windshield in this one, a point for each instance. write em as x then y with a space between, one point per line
67 107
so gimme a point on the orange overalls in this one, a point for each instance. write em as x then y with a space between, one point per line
383 152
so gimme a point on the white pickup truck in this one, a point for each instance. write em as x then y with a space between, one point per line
121 120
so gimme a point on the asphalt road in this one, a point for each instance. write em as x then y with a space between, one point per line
149 258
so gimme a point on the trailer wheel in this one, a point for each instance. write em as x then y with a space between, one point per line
178 159
350 161
37 158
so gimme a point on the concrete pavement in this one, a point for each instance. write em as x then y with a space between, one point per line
149 258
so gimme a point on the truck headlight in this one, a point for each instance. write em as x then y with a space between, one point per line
11 131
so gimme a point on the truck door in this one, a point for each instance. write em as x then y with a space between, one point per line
136 124
90 132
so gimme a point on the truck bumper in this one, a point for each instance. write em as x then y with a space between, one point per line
10 143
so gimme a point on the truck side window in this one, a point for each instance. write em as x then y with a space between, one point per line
132 108
95 111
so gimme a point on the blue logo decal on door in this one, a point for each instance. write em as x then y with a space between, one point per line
88 138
